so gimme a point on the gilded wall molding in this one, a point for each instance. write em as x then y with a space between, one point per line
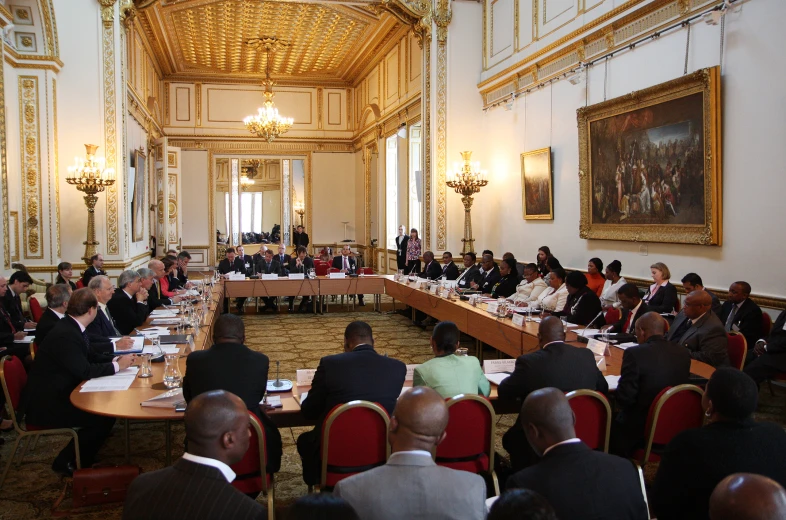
57 165
426 156
29 139
369 150
52 44
110 122
442 17
142 115
4 169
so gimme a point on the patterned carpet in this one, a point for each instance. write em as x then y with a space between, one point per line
297 341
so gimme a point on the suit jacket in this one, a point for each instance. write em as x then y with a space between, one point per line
696 460
13 306
646 370
582 307
181 276
235 368
45 325
582 484
619 327
706 339
225 266
664 300
308 263
300 239
63 361
188 490
99 332
506 286
89 273
127 312
262 267
7 331
489 280
412 486
470 274
450 271
155 298
359 374
716 304
432 271
286 261
451 375
401 251
247 260
747 320
338 263
775 356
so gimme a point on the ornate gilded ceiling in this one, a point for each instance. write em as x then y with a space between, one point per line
330 41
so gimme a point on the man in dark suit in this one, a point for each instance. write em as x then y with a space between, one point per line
358 373
57 297
490 275
401 249
183 258
431 269
232 264
198 485
149 283
693 282
578 482
633 308
646 370
300 237
770 353
556 364
740 314
346 263
471 274
103 326
128 305
449 269
699 330
230 365
18 283
282 256
300 264
63 362
247 260
268 264
95 269
9 333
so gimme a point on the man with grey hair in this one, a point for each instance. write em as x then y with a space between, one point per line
129 303
103 326
157 266
148 276
57 297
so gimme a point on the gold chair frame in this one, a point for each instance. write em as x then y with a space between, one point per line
658 406
270 492
600 397
744 347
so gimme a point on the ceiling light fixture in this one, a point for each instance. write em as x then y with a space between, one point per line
267 123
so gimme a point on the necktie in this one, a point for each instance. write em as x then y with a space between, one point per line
346 267
158 290
111 321
682 330
730 319
8 320
626 328
87 340
267 270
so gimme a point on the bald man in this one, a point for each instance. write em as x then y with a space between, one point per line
745 496
556 364
646 370
578 482
699 330
411 485
198 486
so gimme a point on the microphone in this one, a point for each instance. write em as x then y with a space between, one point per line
590 323
277 383
413 269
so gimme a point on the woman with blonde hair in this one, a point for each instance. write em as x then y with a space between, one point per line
661 296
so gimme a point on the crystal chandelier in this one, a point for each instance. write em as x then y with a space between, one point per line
245 181
267 123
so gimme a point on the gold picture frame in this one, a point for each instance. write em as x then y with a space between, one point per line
650 164
537 189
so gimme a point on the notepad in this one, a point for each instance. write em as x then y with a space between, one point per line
122 380
497 377
136 348
273 401
26 339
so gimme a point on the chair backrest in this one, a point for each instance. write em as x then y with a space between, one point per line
593 418
469 444
365 270
251 468
766 324
35 309
334 270
354 440
322 269
737 348
613 316
673 410
80 284
33 349
678 305
14 379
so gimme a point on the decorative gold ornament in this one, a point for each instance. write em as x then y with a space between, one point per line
467 181
267 124
300 210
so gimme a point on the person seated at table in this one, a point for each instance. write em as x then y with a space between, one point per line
608 296
700 331
57 297
18 284
64 360
431 270
508 281
740 314
551 264
554 297
521 504
543 255
595 278
269 264
103 326
300 264
148 280
321 506
165 282
661 296
696 460
582 305
646 370
234 264
485 252
183 258
410 484
346 263
198 486
530 287
448 373
230 365
693 282
555 364
325 255
65 271
95 268
449 269
282 256
359 373
470 274
490 275
633 308
128 306
577 481
747 496
770 353
9 333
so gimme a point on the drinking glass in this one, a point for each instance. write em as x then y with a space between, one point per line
145 369
155 346
462 351
564 323
172 375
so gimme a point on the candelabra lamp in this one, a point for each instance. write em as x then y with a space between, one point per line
300 209
90 176
467 180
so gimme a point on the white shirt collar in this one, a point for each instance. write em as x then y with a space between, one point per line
131 296
422 453
551 343
636 308
693 322
102 306
11 291
223 468
568 441
57 313
81 327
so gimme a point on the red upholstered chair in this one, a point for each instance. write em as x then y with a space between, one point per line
35 309
14 379
593 418
469 444
673 410
766 324
251 468
80 284
354 440
322 269
738 349
365 270
613 316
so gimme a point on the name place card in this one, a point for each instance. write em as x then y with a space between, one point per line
433 288
518 319
305 376
297 276
337 275
410 372
598 348
495 366
492 307
271 276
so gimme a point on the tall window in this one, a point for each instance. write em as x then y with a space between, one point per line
415 179
250 212
391 190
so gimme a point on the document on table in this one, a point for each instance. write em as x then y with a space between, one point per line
273 400
497 377
300 398
136 348
163 313
623 346
166 349
165 321
153 331
120 381
613 381
26 339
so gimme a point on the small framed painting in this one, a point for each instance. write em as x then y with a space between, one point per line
537 193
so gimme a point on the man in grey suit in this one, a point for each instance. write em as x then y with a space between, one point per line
701 331
411 485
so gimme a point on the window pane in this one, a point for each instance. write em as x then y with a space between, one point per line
391 190
416 200
257 212
245 211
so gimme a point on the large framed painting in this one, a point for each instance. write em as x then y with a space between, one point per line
537 194
138 196
650 164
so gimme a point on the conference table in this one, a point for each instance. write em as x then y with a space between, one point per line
501 334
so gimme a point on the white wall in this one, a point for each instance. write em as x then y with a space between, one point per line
333 195
194 190
753 115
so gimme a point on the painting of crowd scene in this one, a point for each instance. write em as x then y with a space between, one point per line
647 165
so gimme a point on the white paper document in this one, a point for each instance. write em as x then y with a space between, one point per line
410 372
497 377
114 383
26 339
623 346
154 331
613 381
139 342
163 313
166 349
165 321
